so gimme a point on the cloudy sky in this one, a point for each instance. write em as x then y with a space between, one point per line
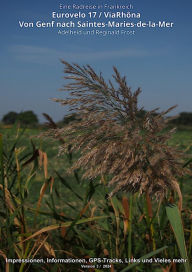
157 60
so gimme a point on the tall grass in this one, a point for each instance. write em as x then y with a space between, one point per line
73 219
71 212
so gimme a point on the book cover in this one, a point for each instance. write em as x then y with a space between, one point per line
95 136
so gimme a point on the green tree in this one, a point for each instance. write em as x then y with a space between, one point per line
10 118
185 118
28 118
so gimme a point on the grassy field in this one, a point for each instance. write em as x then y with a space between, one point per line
38 192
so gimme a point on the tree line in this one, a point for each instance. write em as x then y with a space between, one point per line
24 118
29 118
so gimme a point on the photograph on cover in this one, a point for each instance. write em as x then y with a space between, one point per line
96 136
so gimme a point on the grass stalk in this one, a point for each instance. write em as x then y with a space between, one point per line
130 227
117 219
150 220
190 241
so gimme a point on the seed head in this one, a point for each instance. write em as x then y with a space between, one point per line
115 137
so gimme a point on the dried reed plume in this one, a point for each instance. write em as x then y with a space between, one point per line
115 138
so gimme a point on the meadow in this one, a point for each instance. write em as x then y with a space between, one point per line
48 213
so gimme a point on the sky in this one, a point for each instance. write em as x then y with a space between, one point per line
157 60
